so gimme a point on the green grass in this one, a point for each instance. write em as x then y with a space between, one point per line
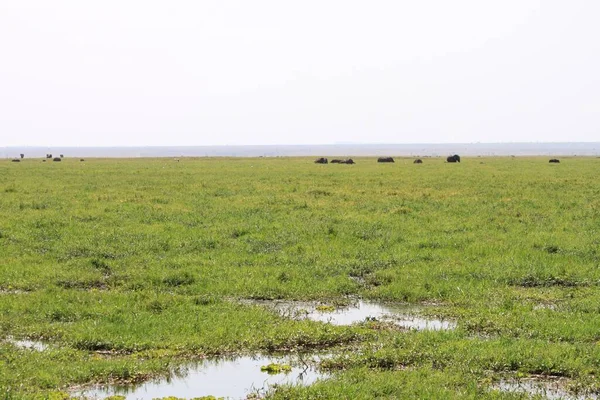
131 267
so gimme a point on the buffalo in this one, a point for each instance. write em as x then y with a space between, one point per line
348 161
48 155
57 159
321 160
336 161
82 160
15 160
454 158
554 160
418 161
385 159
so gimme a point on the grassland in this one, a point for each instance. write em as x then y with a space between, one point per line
130 267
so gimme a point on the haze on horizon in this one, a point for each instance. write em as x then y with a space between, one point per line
232 72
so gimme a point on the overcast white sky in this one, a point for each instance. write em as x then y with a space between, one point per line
186 72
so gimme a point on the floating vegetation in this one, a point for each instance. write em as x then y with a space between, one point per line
325 308
273 368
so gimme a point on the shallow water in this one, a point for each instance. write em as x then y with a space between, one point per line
28 344
552 389
230 378
405 316
545 306
15 291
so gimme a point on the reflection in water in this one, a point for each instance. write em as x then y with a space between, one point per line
401 315
552 389
230 378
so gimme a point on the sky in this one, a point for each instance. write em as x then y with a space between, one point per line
236 72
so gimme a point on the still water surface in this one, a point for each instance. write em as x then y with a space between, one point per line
230 378
403 315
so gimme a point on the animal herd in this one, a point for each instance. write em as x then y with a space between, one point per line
321 160
48 157
450 159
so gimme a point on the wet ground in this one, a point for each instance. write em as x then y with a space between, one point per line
404 315
237 378
547 388
234 378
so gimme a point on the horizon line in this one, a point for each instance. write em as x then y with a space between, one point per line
298 145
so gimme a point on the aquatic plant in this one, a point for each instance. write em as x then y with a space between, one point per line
273 368
325 308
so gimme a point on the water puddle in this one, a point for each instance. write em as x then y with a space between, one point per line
545 306
359 279
27 344
235 378
548 388
12 291
403 315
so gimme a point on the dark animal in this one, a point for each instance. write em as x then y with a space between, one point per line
385 159
321 160
43 160
348 161
554 160
56 159
418 161
16 160
82 159
48 155
336 161
22 155
61 156
454 158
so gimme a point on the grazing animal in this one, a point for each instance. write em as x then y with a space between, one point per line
554 160
82 159
321 160
48 155
16 160
385 159
22 155
57 159
61 156
348 161
454 158
336 161
418 161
